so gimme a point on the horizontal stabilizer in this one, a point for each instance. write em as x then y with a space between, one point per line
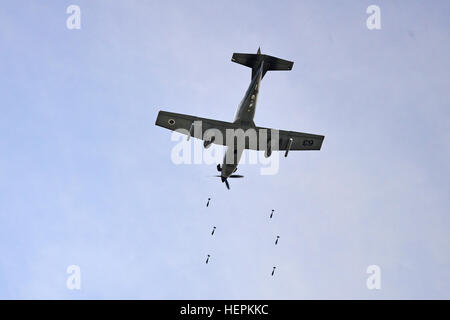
253 60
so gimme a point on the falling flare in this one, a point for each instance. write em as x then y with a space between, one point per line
276 241
207 204
214 229
271 214
207 259
273 271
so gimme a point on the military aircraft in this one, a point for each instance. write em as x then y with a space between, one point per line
198 127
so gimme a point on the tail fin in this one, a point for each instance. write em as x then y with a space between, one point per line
253 61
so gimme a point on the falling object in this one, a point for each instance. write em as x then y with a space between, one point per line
273 271
207 204
271 214
207 259
276 241
214 229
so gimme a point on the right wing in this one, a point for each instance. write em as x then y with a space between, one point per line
300 140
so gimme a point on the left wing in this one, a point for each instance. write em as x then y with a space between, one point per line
183 123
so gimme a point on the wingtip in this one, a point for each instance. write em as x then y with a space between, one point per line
157 117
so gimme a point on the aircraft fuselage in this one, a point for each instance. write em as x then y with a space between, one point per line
244 118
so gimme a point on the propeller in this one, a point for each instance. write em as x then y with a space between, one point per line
232 176
226 181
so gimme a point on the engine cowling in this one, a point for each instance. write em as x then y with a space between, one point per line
207 143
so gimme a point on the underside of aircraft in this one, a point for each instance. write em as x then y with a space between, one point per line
254 138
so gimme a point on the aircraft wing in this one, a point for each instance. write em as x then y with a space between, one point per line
300 140
183 122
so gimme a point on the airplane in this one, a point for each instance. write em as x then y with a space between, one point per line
288 140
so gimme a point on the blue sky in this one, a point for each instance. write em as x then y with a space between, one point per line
86 177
